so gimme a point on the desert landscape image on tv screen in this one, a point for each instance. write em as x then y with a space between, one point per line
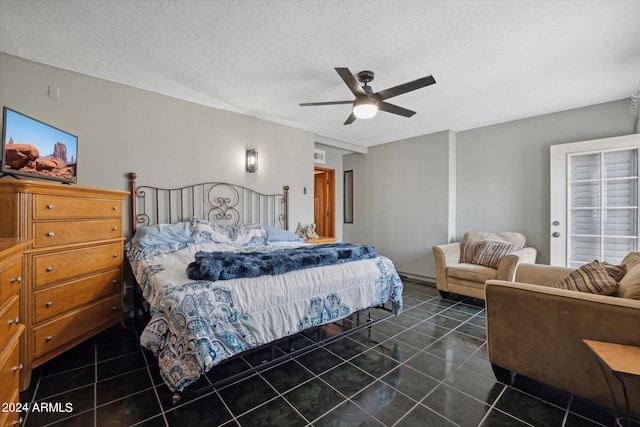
37 149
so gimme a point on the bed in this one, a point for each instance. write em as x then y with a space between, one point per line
187 242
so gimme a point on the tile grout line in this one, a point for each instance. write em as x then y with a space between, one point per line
95 384
566 412
456 308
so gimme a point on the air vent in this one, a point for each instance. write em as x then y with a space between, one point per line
318 156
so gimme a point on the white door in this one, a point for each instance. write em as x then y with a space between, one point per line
594 200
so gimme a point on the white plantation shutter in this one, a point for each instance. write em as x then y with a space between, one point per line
602 205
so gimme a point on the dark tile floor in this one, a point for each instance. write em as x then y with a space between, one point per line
427 367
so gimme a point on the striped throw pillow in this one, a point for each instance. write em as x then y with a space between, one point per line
470 249
616 272
491 253
592 278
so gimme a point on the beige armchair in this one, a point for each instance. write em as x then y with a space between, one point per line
456 271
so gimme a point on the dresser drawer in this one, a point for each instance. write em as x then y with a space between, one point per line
57 300
10 374
64 207
65 265
9 320
67 328
12 418
62 233
10 280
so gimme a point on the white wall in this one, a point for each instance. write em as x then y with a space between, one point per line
168 142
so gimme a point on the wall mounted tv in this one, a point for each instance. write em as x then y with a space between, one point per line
34 149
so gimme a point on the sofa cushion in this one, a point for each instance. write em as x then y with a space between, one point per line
471 272
592 278
630 283
491 253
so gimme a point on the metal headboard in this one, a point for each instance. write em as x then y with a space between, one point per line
219 202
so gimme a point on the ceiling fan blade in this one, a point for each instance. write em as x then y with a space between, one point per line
406 87
350 119
351 81
313 104
390 108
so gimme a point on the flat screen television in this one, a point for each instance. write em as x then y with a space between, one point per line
34 149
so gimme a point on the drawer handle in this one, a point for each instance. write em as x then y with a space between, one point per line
115 228
16 321
51 234
114 282
16 279
115 255
115 208
17 368
50 269
114 308
49 338
49 304
49 206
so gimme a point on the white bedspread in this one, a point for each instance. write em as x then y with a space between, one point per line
198 324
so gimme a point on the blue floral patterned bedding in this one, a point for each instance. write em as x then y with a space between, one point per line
197 324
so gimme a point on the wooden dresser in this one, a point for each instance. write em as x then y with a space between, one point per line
73 267
11 327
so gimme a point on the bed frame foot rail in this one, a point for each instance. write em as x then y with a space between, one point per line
292 351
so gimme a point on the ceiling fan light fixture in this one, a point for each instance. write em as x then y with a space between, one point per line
365 108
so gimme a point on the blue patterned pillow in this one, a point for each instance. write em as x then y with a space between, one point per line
203 231
249 235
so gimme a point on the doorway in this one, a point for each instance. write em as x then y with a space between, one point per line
324 201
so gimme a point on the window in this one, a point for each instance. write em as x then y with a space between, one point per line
602 204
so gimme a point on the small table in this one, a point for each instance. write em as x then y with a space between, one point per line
622 361
321 240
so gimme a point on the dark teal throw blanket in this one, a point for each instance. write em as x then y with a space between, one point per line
214 266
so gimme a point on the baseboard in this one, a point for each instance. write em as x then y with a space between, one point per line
418 277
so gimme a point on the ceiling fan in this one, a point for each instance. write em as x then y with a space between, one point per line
367 103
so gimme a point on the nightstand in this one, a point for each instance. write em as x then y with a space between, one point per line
321 240
624 362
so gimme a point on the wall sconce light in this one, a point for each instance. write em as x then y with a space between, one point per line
252 160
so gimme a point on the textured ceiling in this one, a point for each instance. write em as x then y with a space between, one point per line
493 61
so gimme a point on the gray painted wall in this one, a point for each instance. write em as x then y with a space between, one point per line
501 183
503 170
401 200
402 193
168 142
